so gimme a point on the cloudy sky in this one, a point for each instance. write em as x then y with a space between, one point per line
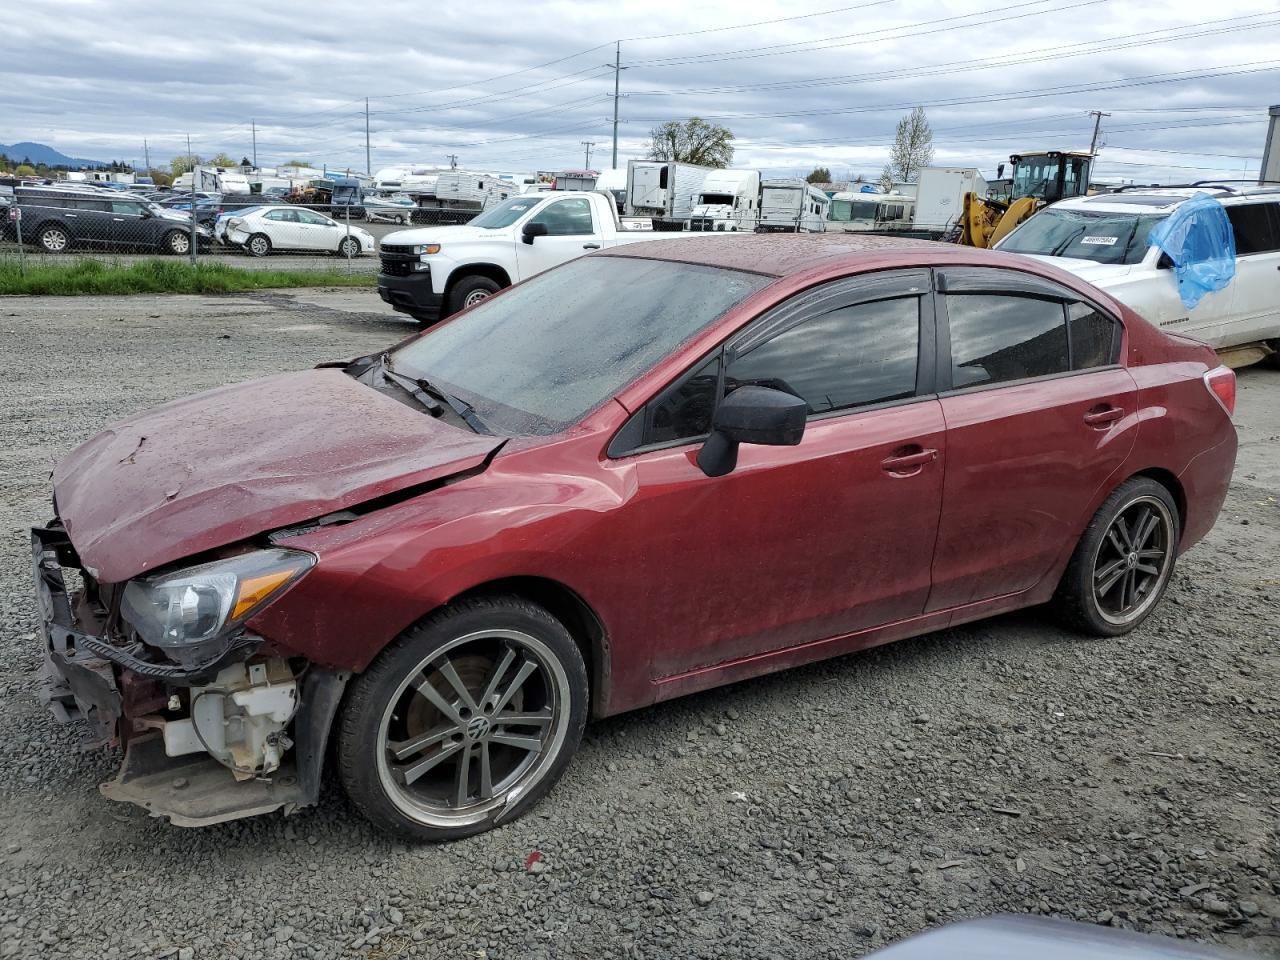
513 86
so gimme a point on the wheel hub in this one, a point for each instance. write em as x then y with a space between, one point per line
478 728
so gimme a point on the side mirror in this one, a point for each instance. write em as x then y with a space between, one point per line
532 230
751 414
146 214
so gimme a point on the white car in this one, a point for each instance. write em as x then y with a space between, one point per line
1103 239
261 230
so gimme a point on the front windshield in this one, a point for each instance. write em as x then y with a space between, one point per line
778 196
1119 238
846 210
505 213
537 358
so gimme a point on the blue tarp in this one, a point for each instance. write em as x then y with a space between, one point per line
1197 237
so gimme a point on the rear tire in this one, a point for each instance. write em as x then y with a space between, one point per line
258 245
466 720
469 291
54 239
1123 562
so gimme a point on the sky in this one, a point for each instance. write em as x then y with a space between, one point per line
515 86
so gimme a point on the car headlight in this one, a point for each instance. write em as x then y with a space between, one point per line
427 248
186 613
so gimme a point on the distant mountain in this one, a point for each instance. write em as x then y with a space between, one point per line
39 153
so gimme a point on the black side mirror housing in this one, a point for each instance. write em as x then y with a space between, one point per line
533 230
751 414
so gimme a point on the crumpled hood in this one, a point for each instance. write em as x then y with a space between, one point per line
230 463
1099 274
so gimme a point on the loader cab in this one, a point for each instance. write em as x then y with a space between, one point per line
1051 175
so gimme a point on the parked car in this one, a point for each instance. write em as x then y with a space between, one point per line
262 230
433 272
58 219
207 205
395 209
1103 239
642 474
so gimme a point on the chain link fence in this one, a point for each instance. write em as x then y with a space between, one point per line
66 222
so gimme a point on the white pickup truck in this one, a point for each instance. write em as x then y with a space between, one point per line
433 272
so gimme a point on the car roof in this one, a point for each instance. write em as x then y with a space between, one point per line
784 254
1166 199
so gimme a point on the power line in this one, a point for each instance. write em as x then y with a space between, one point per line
759 23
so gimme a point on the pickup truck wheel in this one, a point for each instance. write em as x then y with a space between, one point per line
54 239
469 291
259 245
465 721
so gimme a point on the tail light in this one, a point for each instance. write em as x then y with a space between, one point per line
1221 382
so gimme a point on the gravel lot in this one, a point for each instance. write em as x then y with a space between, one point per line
1004 766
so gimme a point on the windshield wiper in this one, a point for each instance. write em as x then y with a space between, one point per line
456 404
414 389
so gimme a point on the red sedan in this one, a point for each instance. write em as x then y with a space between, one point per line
648 472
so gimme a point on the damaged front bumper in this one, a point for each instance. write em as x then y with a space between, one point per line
238 736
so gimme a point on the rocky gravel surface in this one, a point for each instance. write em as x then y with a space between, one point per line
1003 766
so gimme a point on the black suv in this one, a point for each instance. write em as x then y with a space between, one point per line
58 218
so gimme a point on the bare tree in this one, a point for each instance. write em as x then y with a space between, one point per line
912 148
692 141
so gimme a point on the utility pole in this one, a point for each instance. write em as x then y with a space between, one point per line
1097 125
617 68
253 125
368 164
453 160
586 163
146 152
192 167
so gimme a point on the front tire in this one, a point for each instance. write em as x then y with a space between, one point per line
1123 562
258 245
349 248
177 243
465 721
471 290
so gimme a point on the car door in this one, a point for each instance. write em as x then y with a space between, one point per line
126 227
800 543
571 232
317 232
91 221
1255 306
1040 416
283 229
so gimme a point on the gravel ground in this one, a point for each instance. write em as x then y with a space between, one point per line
1004 766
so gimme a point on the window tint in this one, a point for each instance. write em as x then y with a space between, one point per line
849 357
125 206
285 216
684 408
1093 337
567 218
1256 226
995 338
307 216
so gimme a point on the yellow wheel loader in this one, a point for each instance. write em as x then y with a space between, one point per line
1039 179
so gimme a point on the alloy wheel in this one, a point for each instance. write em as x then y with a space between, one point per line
473 727
55 241
1133 560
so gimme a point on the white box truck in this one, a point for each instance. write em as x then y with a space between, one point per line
663 191
940 196
728 202
792 205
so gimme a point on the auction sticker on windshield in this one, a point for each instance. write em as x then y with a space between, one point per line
1099 241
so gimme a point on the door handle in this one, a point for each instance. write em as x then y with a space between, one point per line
591 246
1100 416
908 461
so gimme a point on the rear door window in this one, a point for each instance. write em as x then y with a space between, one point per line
1094 337
996 338
1256 227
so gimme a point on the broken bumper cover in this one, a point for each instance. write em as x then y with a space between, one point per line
86 678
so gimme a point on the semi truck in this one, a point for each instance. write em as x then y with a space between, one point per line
664 191
729 201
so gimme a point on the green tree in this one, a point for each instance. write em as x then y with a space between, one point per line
912 148
25 170
184 163
161 178
297 163
222 159
692 141
819 175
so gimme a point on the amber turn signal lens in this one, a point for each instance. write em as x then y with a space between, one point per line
254 590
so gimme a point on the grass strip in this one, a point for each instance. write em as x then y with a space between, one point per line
88 276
